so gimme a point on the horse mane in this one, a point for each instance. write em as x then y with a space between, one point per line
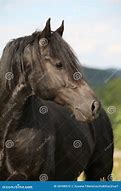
12 59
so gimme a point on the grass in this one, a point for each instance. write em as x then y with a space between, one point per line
117 166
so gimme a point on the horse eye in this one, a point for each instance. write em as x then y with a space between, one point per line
59 65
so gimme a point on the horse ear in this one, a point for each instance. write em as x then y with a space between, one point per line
60 29
46 33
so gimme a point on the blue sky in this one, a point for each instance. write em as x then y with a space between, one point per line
92 27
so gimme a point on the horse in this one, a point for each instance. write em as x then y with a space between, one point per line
51 144
40 66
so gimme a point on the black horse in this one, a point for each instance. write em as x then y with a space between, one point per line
42 67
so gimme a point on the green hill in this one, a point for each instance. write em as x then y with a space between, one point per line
110 95
100 77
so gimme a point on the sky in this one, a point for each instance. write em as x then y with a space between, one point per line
92 27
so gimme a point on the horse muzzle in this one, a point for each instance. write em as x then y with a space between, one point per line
86 114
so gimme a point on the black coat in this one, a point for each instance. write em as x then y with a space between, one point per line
54 146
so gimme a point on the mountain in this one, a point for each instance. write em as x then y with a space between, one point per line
97 77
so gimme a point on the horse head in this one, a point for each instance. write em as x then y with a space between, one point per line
52 71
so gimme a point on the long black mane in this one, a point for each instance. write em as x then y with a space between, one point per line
12 59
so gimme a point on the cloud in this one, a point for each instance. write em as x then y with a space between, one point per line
13 4
114 49
85 38
113 1
102 27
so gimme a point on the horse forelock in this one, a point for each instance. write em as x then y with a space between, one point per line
61 49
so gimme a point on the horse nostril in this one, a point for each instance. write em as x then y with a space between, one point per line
95 107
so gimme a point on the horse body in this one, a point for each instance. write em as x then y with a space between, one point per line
44 145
